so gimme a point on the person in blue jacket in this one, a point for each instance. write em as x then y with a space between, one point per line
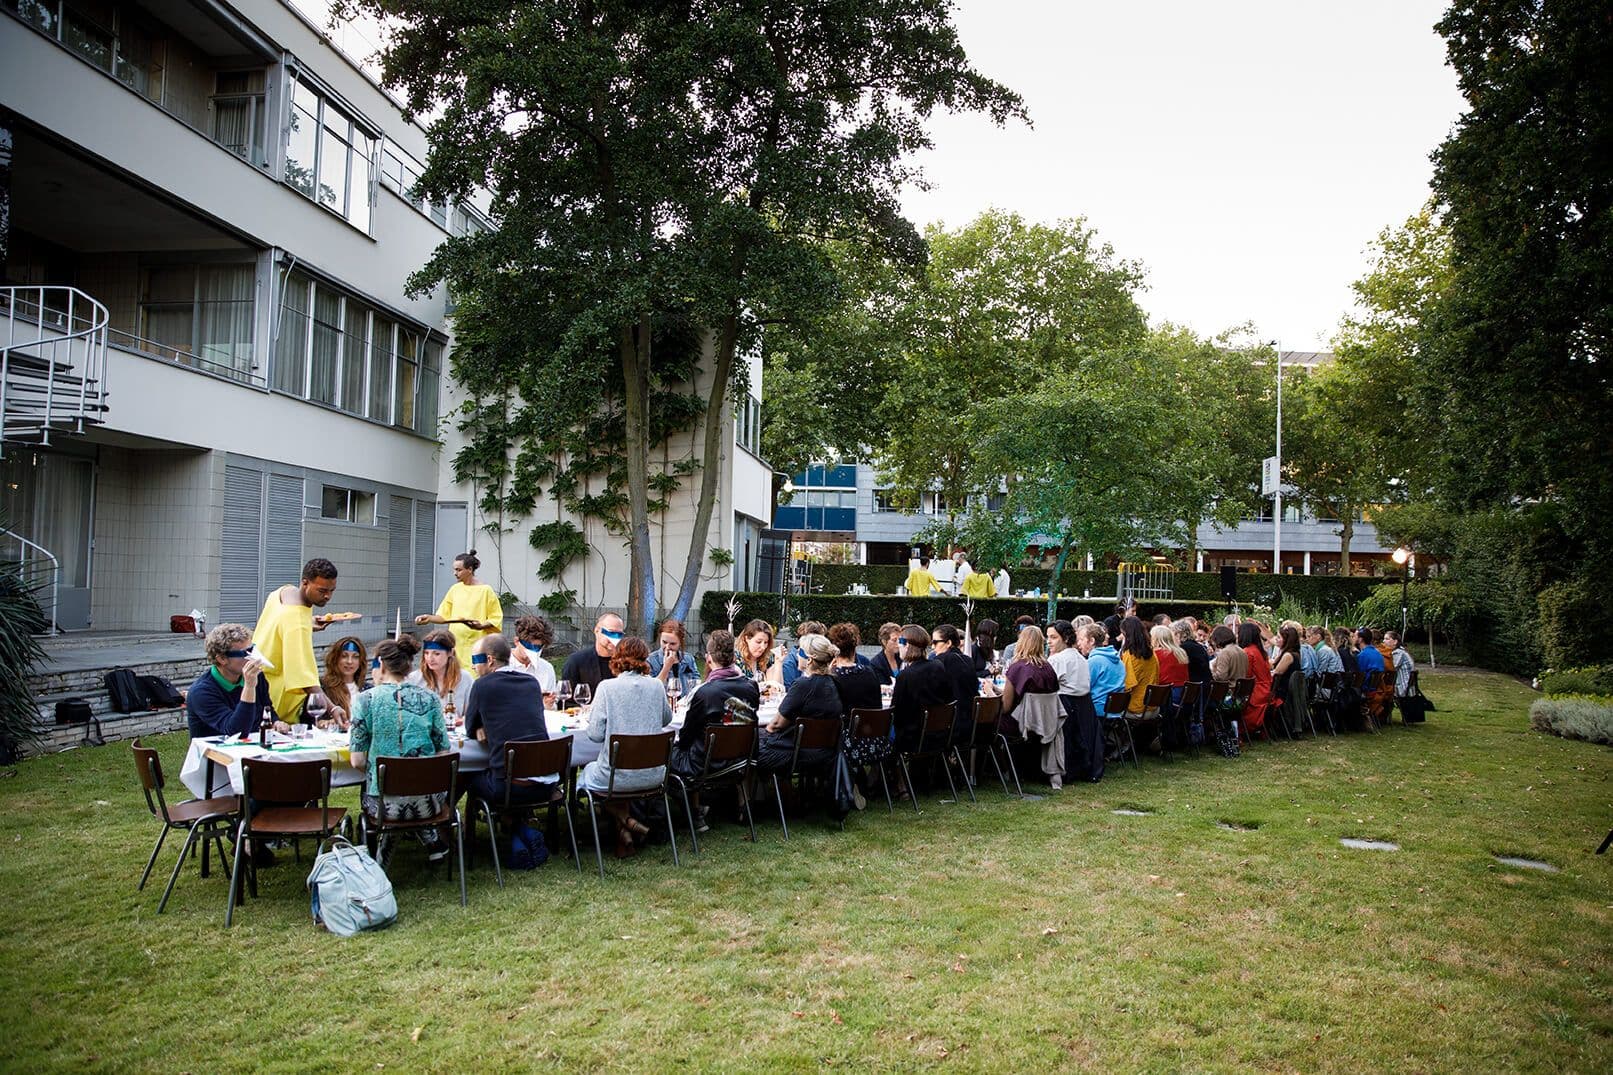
1104 668
231 696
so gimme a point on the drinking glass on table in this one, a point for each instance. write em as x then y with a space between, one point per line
315 708
583 693
673 691
562 693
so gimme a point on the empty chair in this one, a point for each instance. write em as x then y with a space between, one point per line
267 781
209 819
529 763
423 776
730 758
629 753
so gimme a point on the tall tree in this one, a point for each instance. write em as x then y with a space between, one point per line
669 159
1520 350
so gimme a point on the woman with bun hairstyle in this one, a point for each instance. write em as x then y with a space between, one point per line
396 718
471 600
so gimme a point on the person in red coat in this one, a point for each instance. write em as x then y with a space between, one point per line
1254 714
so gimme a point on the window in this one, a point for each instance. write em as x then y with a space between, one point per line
883 500
380 402
291 340
329 156
347 505
406 383
238 114
426 420
106 35
748 425
201 315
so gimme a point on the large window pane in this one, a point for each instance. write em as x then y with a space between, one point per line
380 402
359 176
89 39
224 317
408 370
355 336
430 374
333 169
327 344
291 350
302 143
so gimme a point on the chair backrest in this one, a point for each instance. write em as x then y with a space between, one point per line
276 781
640 751
149 766
1358 679
1155 697
533 759
729 744
818 733
871 723
1330 681
429 774
1117 703
938 718
1244 691
1190 695
1218 692
988 711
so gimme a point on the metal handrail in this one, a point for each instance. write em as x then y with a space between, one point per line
149 348
55 570
75 321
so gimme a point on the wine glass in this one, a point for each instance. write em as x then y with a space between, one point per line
583 693
562 693
315 709
673 690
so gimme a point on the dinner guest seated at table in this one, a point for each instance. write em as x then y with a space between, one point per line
812 696
671 662
755 656
985 650
922 683
858 687
399 719
504 704
592 666
1030 671
948 643
709 702
888 661
231 696
631 703
441 674
532 634
346 665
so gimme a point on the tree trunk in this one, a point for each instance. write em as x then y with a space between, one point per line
1065 539
710 459
635 353
1346 532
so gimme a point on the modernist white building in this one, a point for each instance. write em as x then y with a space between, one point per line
213 369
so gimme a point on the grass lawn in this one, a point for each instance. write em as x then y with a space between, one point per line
1012 937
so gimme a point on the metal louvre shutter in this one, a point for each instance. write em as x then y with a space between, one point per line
425 555
399 525
282 532
240 574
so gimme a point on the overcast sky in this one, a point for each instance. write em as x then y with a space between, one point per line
1245 151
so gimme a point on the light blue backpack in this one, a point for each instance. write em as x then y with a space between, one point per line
348 891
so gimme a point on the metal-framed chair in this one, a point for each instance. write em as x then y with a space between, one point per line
1156 703
983 735
1115 708
209 819
529 763
934 743
1214 707
428 775
876 724
1242 691
1326 698
809 733
1186 708
628 753
729 762
271 780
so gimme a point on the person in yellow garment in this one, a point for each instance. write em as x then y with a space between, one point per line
978 584
920 583
471 600
285 635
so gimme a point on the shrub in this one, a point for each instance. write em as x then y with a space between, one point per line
20 620
1573 628
1434 605
1574 717
1595 679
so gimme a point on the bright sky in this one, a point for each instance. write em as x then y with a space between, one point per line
1245 151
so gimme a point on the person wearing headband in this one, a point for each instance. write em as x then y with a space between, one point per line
593 666
231 696
532 634
440 673
469 600
347 665
505 704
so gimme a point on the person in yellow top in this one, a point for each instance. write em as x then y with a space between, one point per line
471 600
978 584
920 583
285 635
1142 666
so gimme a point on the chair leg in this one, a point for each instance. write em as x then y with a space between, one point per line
946 770
1013 769
778 794
459 840
964 769
912 789
593 819
688 813
152 861
190 840
235 881
571 835
1606 843
492 837
223 858
671 828
885 785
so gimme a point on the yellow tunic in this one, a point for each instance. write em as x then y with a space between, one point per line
979 585
920 583
463 602
285 635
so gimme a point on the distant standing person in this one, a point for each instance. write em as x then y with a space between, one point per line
920 582
593 666
1002 582
285 635
962 571
471 600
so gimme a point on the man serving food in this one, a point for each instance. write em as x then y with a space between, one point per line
284 639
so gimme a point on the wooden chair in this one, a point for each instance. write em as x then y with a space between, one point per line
1242 692
935 742
270 780
730 761
210 819
529 763
810 733
1327 698
983 735
1115 708
628 753
876 724
427 775
1186 709
1215 702
1156 702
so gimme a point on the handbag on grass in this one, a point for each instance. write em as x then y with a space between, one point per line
348 892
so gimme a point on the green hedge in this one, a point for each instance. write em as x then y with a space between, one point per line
1329 594
869 612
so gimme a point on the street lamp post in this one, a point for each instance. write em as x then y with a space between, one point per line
1408 563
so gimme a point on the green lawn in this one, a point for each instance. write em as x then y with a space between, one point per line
1010 937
